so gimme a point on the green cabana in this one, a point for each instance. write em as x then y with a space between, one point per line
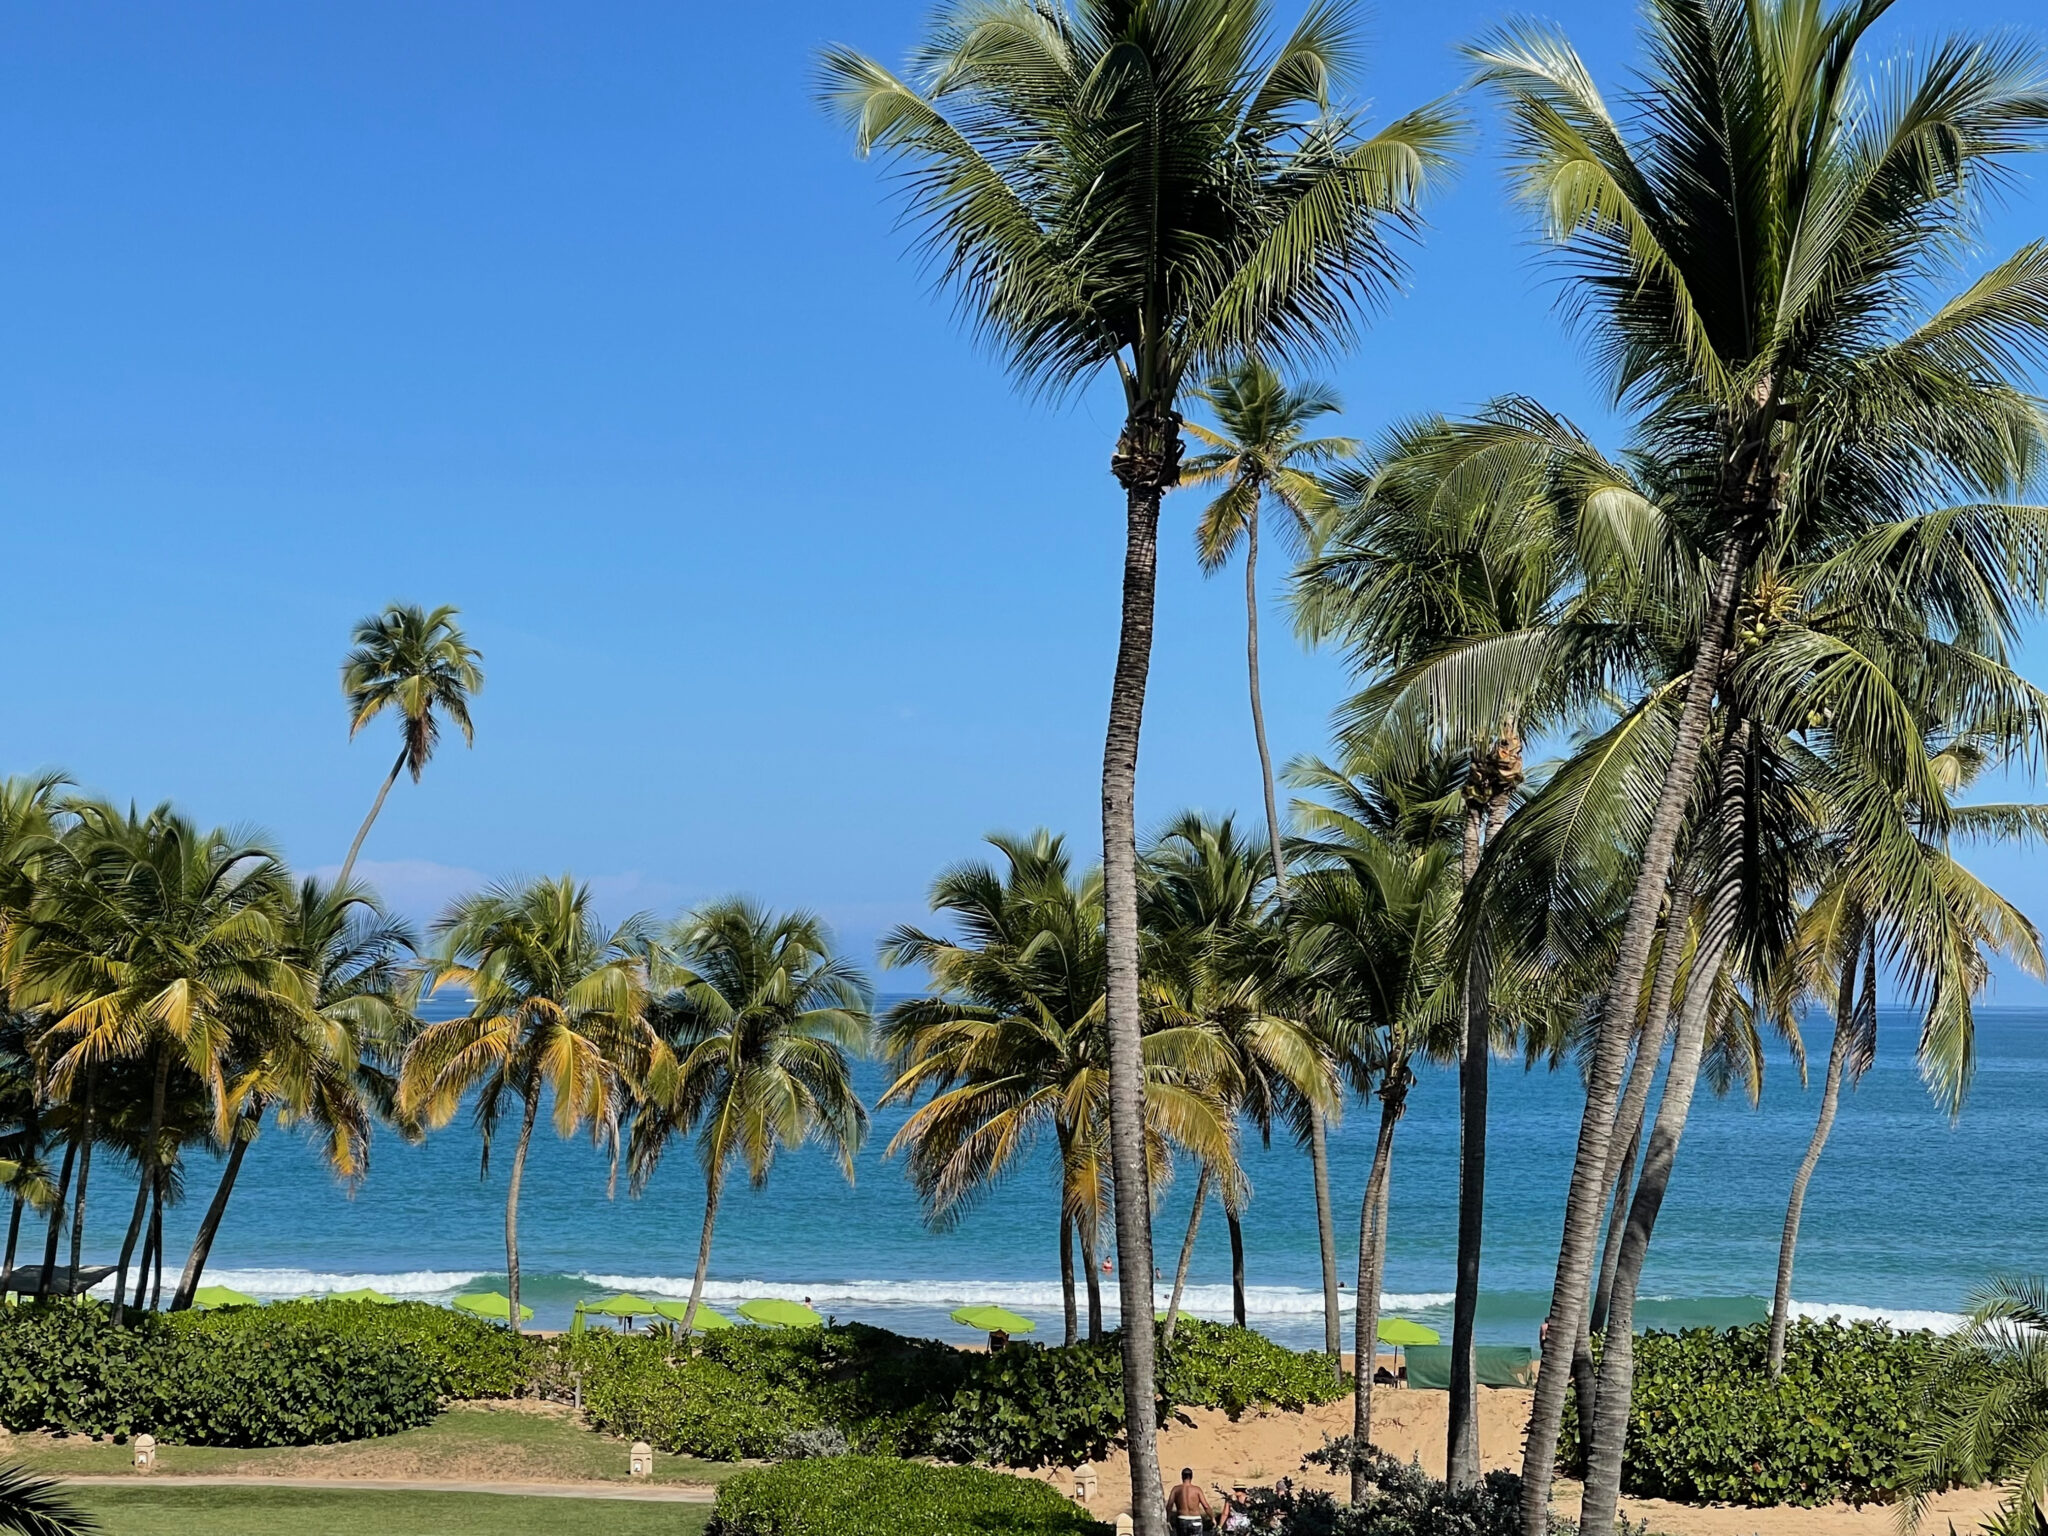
706 1320
212 1296
993 1320
774 1312
491 1304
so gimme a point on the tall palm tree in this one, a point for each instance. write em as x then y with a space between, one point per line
755 1055
331 1070
29 809
558 1006
417 664
1142 185
150 942
1374 918
1749 248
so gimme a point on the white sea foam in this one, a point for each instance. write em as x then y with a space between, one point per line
943 1295
278 1284
1903 1318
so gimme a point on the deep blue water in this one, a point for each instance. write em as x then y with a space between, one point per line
1906 1215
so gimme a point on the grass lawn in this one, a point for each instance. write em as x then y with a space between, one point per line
159 1510
473 1443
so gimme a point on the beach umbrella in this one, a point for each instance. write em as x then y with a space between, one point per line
222 1296
491 1304
993 1320
1401 1333
707 1321
576 1322
773 1312
364 1293
627 1307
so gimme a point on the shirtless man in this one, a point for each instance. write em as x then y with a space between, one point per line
1187 1504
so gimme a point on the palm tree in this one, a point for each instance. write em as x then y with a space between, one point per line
1894 884
331 1070
558 1005
1749 249
34 1505
151 942
419 665
1988 1391
1140 184
29 810
1215 959
755 1052
1374 917
1012 1045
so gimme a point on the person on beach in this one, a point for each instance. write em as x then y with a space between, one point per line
1188 1505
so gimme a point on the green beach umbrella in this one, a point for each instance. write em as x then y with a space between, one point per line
773 1312
576 1322
1401 1333
627 1306
222 1296
491 1304
364 1293
707 1321
993 1320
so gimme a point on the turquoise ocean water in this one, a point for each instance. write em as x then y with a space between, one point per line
1906 1214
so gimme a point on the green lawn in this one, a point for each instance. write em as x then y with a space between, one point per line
159 1510
469 1444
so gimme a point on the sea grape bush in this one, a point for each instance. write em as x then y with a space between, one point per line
1405 1501
301 1374
880 1496
741 1392
1708 1424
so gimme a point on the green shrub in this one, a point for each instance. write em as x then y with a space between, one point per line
741 1392
286 1375
1406 1501
878 1496
1708 1424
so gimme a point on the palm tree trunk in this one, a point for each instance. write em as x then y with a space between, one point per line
1187 1252
209 1224
512 1206
156 1237
1088 1262
1372 1266
1146 462
1830 1100
1251 656
84 1174
1326 1233
348 864
1231 1220
1617 1355
713 1186
152 1234
1068 1309
1589 1182
147 1174
57 1210
1461 1451
31 1146
13 1236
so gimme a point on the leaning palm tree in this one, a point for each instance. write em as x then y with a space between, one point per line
1142 185
1750 246
557 1005
755 1055
417 664
330 1071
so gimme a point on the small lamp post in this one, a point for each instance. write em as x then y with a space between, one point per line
641 1463
145 1452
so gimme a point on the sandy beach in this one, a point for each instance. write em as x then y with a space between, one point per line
1262 1448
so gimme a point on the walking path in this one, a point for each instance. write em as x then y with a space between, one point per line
644 1493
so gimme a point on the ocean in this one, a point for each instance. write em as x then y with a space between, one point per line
1907 1213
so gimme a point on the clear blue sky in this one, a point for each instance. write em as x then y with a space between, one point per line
584 319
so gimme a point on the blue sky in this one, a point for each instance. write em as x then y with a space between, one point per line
584 319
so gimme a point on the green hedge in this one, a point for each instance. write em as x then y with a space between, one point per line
878 1496
304 1374
1708 1424
739 1393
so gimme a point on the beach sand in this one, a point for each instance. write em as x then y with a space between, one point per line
1263 1448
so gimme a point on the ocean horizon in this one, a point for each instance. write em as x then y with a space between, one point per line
1906 1216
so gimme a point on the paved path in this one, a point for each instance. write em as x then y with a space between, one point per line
645 1492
